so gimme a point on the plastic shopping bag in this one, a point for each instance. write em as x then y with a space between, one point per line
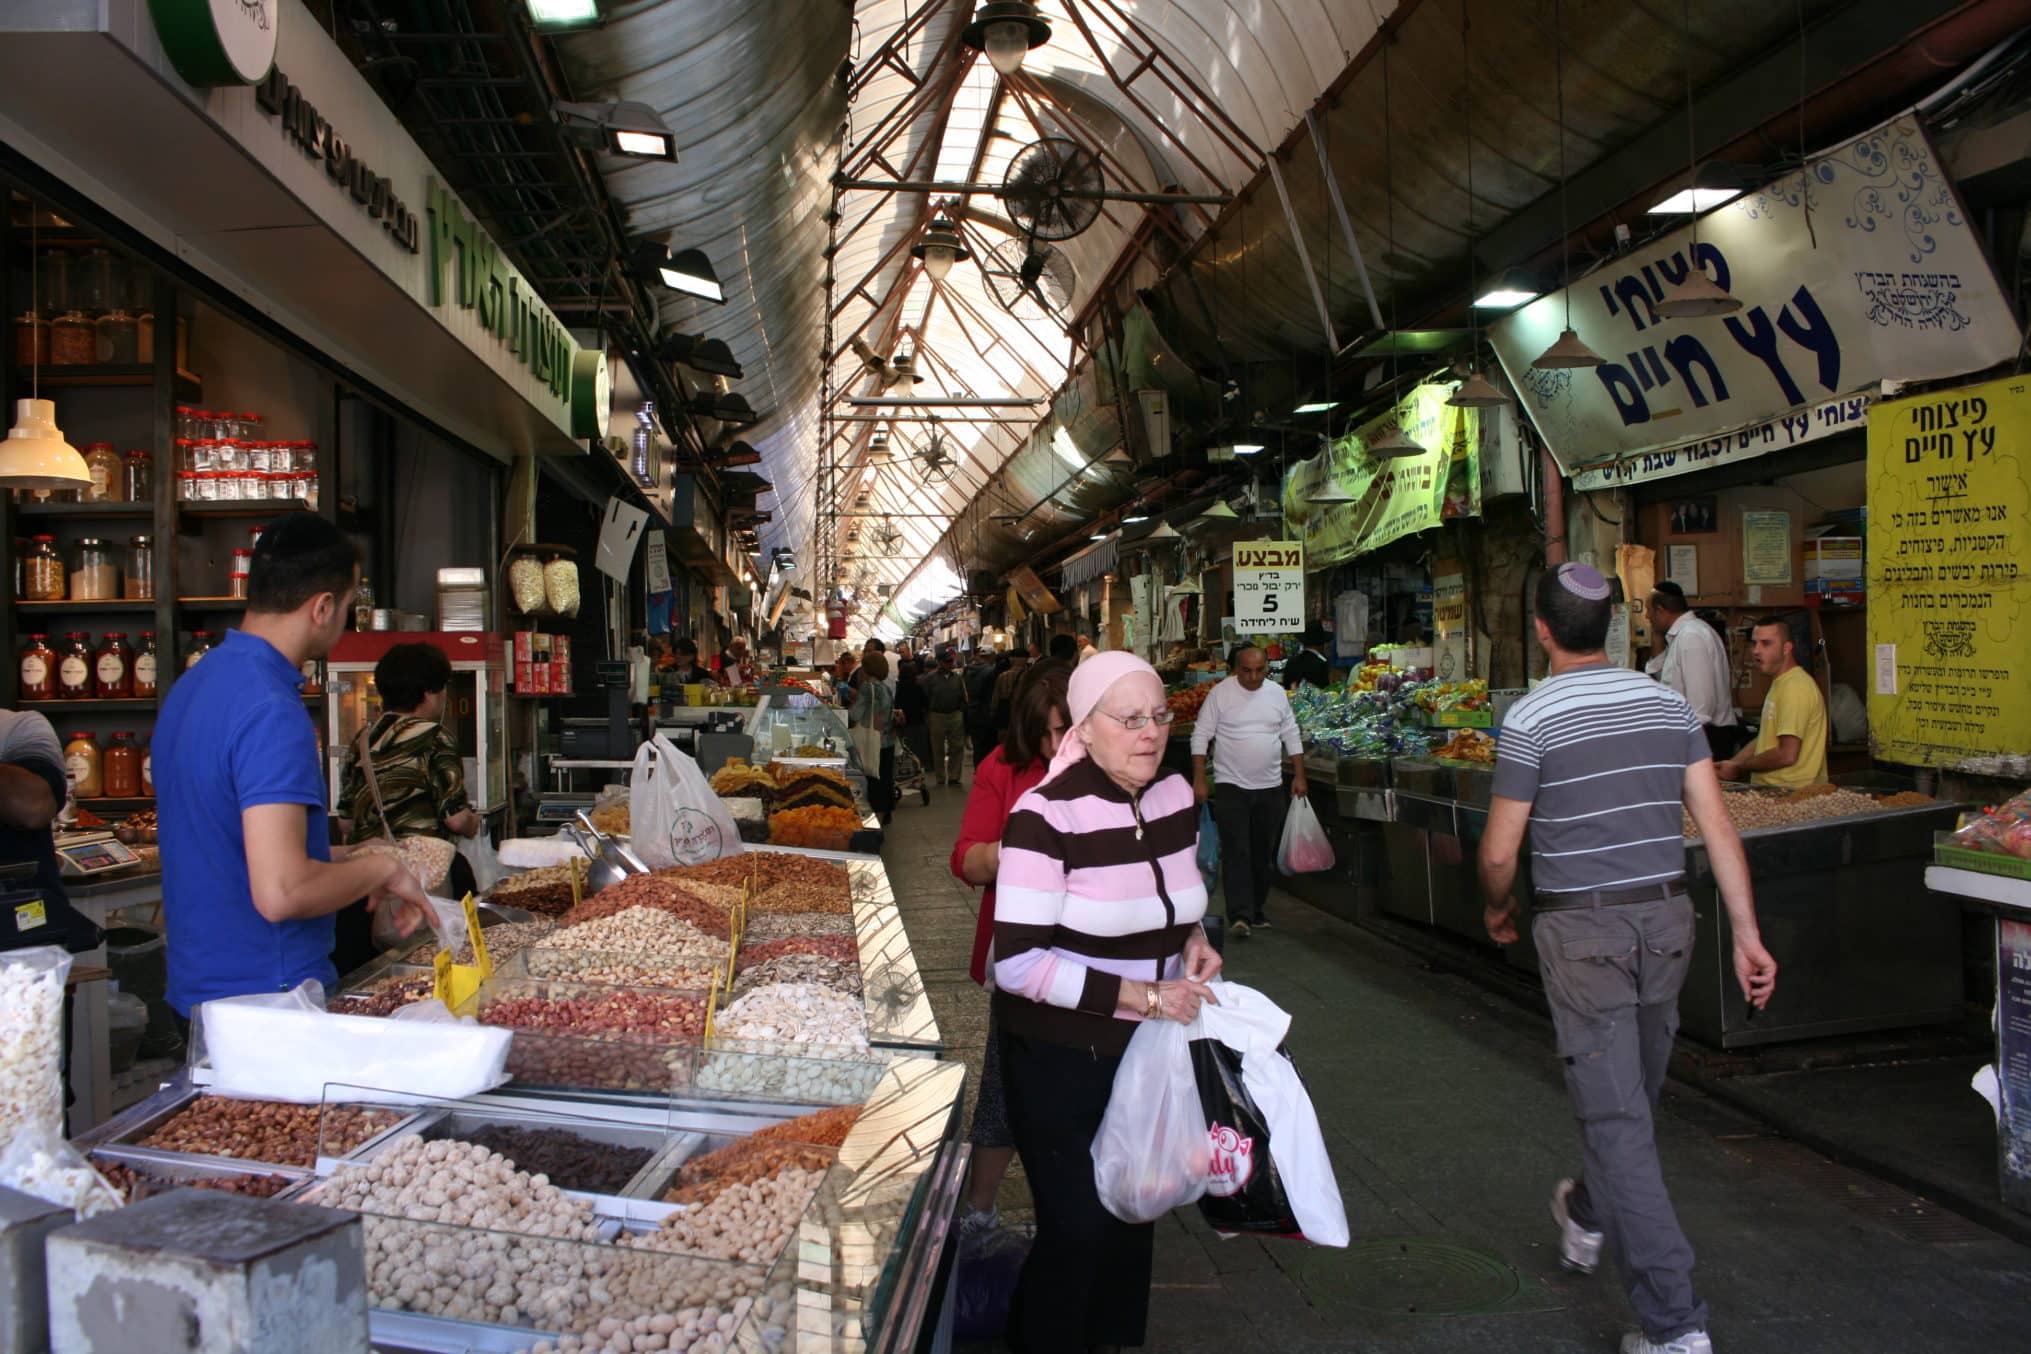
1152 1152
479 853
1269 1174
1305 849
1209 845
677 819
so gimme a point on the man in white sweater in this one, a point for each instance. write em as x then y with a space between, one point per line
1248 723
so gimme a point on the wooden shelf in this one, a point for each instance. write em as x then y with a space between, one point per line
100 375
116 607
105 806
85 510
261 507
90 707
219 604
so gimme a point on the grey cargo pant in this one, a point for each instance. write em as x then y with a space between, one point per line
1612 975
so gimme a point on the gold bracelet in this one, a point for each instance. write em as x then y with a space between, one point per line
1152 1008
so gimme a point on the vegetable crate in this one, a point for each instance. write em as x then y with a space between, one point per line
1982 862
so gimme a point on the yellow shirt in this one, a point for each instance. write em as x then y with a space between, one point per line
1794 707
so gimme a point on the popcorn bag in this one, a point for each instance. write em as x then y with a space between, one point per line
1269 1173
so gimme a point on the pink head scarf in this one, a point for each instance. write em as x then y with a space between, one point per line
1091 680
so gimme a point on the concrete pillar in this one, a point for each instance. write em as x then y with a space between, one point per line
25 1224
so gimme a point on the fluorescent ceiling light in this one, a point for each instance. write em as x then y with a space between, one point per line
691 274
550 14
1318 407
1133 518
1504 298
1097 536
626 128
643 143
1246 448
1689 200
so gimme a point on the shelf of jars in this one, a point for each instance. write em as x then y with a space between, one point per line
108 607
103 375
92 705
88 511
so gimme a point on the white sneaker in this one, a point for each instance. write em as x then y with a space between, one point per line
1692 1342
1579 1249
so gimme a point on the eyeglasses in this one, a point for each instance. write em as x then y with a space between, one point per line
1142 721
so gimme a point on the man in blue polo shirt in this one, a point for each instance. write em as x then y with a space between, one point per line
250 881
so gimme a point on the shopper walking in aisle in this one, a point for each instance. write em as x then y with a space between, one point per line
1064 647
869 723
1693 661
1309 664
980 683
249 877
1097 906
945 689
1004 691
1086 646
1247 722
1597 761
1009 772
913 722
1790 749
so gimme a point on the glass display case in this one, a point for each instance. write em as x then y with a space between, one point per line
794 730
476 711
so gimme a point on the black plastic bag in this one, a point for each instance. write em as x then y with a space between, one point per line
1245 1194
984 1283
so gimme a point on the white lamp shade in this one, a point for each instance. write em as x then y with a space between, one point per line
1567 352
938 261
1476 392
1008 43
35 455
1696 298
1394 446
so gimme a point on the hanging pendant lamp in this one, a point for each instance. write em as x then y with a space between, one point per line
1476 391
35 454
1567 351
1330 497
1394 445
1697 297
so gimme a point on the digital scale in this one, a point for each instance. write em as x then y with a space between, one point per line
82 854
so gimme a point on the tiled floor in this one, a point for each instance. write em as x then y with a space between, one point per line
1447 1122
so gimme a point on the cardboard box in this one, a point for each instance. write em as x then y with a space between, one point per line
560 648
1834 557
525 646
560 678
525 678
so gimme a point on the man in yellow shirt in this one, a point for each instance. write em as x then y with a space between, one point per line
1790 749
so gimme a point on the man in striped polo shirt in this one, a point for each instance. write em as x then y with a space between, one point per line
1597 761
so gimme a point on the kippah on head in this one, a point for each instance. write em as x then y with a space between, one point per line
1583 580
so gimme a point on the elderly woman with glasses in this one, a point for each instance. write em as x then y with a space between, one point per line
1097 910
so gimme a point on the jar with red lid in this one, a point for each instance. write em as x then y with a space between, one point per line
186 486
38 669
74 667
148 771
121 767
186 422
144 667
113 668
200 645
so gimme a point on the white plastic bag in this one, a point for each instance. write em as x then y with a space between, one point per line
1152 1153
1254 1026
31 1039
38 1162
479 853
1305 849
677 819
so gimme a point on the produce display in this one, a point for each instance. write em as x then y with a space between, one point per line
1186 702
597 1015
614 820
824 829
1753 809
385 996
623 1039
268 1131
133 1183
750 817
2004 829
1466 745
815 969
1438 696
661 890
563 1157
745 1222
795 1013
545 891
504 941
776 926
1361 722
640 933
805 1144
842 948
428 858
812 787
738 779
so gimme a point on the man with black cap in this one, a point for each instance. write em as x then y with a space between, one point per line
945 690
1309 663
1598 762
250 880
1693 661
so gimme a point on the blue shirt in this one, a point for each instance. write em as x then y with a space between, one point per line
232 735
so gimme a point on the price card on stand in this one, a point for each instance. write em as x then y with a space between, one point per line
457 983
1269 586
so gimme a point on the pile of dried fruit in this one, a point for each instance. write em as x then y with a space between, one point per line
546 891
135 1185
567 1160
385 996
822 828
264 1130
738 778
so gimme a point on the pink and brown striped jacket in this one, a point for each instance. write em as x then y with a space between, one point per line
1095 886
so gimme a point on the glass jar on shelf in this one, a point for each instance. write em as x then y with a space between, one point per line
109 474
84 767
207 486
73 340
44 576
313 677
92 286
122 767
144 667
95 573
261 457
119 337
200 645
53 279
31 340
306 490
186 486
138 475
236 585
148 770
229 453
303 457
281 458
225 486
139 583
38 669
113 667
253 427
74 667
186 422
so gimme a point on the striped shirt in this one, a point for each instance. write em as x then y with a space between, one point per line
1599 753
1094 886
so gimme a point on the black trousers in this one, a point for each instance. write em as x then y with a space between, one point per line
1251 829
1087 1278
984 740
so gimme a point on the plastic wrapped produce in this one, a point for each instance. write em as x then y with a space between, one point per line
31 1039
560 586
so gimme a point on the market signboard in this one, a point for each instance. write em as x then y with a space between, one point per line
1949 575
1862 268
1269 586
1392 498
1843 413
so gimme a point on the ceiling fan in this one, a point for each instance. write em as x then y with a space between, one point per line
936 457
1042 274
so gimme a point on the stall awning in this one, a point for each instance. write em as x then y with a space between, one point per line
1090 563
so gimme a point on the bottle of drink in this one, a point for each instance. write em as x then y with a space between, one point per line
363 605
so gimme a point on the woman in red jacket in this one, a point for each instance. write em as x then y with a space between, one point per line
1037 719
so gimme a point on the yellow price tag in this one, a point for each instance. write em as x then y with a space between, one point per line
28 916
458 984
577 896
481 960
